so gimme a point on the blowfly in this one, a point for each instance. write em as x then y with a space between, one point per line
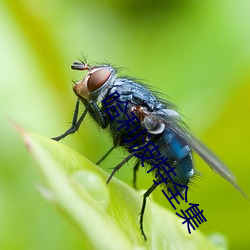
148 127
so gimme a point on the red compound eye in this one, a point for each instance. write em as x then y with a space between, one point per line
97 79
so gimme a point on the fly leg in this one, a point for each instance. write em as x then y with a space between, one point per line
136 167
145 196
105 155
75 124
119 166
100 117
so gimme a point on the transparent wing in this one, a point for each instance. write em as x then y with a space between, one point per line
176 125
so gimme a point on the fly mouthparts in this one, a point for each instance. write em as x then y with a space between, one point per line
79 66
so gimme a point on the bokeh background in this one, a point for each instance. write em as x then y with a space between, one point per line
195 52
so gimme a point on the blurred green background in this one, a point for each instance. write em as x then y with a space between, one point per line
197 53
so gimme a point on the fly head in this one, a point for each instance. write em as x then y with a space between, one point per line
95 80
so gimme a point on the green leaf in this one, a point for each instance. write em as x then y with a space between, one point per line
106 215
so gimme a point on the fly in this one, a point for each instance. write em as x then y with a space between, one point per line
155 121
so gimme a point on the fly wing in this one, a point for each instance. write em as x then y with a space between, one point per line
176 125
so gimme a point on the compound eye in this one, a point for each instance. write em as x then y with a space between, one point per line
97 79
